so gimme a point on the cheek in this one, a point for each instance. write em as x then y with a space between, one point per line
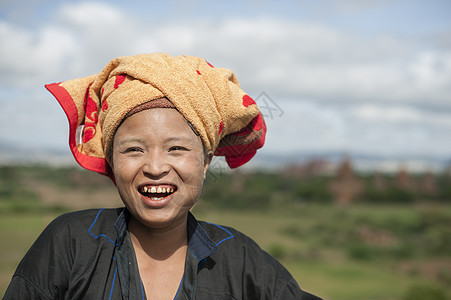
124 180
124 170
191 170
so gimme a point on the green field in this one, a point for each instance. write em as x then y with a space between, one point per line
302 242
364 251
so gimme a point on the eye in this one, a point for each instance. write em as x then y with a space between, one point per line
178 148
132 150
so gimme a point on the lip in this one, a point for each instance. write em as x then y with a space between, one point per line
155 204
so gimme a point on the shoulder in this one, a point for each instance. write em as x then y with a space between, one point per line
85 217
246 267
93 221
230 238
69 246
88 215
241 251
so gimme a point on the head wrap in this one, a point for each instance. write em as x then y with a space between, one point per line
211 100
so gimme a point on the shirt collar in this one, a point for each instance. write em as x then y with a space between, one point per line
199 242
121 226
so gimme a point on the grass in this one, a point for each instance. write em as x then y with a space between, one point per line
312 241
18 232
299 236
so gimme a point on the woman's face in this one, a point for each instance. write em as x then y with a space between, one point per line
159 166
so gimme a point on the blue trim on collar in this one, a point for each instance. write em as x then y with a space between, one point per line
142 288
224 239
101 234
114 280
199 242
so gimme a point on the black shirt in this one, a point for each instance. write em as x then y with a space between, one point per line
89 255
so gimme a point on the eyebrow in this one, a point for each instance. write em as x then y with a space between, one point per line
130 140
179 138
169 139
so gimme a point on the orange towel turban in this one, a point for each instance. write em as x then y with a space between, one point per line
226 118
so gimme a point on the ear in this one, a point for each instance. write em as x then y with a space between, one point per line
207 161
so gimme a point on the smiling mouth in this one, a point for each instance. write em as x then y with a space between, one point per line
157 193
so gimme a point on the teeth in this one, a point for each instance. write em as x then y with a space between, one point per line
157 190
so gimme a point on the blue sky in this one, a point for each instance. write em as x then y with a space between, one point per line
411 17
367 77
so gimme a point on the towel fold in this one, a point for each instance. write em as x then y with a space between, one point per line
226 118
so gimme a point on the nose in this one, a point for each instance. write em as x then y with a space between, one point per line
155 165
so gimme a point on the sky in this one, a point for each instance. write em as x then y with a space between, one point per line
355 77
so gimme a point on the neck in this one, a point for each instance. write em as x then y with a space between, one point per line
158 243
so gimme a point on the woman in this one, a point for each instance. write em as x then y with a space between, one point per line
152 124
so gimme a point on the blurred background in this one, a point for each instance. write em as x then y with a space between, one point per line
355 175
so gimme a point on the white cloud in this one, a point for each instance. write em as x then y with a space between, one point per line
292 59
307 126
287 59
28 58
372 129
401 115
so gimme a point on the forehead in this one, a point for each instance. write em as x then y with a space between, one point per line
154 122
